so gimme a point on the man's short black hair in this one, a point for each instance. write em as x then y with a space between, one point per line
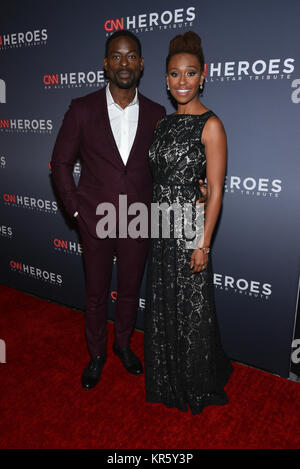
125 33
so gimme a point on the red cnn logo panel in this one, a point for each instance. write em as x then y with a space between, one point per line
4 124
110 25
51 79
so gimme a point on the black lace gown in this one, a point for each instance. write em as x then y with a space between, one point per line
185 365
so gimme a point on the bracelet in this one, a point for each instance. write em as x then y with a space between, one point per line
206 250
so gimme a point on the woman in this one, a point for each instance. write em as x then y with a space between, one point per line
185 364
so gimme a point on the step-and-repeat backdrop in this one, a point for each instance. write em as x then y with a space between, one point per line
52 52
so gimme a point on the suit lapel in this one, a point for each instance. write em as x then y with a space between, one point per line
139 130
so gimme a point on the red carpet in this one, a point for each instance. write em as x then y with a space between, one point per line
43 405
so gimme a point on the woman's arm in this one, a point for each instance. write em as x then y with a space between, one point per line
214 139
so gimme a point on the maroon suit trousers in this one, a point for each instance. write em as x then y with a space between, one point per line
98 257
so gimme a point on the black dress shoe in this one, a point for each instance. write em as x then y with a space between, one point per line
130 361
91 374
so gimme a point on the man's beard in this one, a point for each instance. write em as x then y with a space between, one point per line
124 85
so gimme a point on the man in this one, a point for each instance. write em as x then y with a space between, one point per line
112 129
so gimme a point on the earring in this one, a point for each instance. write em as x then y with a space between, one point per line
168 87
201 87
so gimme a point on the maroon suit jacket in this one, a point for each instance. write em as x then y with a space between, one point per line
86 131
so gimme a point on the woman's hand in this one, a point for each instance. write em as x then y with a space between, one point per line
203 189
199 261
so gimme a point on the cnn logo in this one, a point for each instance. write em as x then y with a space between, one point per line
111 25
2 91
2 351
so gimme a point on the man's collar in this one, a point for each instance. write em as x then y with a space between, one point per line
110 99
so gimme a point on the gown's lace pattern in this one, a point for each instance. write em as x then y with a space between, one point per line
185 364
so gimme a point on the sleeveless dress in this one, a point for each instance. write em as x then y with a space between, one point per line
185 365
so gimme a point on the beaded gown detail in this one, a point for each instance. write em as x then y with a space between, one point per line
185 364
